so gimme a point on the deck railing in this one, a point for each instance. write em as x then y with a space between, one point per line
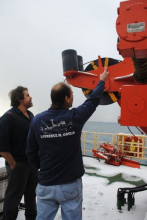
132 146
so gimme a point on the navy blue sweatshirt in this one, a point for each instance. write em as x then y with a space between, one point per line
54 141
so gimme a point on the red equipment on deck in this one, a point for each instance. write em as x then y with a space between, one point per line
114 156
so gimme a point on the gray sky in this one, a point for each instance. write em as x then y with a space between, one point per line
33 34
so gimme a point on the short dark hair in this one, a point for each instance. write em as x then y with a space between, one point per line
58 94
16 95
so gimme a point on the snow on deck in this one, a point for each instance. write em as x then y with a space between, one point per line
100 196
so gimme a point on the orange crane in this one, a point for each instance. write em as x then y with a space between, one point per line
127 81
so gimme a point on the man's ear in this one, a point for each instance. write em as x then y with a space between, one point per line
20 100
66 99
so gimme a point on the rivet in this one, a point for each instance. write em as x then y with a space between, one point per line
143 36
134 34
118 22
127 8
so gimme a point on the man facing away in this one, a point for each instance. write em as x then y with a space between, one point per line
54 147
22 176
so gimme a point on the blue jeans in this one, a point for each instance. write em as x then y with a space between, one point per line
69 196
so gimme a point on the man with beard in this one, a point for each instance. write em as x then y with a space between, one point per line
22 176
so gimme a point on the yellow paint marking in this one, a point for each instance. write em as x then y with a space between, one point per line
87 91
112 96
94 66
106 62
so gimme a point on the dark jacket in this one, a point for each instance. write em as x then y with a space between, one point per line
54 141
14 128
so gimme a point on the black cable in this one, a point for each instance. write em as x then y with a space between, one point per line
86 63
132 133
142 132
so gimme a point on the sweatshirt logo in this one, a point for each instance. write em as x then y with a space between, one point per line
61 126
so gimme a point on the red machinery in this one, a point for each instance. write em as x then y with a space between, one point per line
114 156
127 82
131 28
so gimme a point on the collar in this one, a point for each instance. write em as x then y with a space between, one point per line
17 110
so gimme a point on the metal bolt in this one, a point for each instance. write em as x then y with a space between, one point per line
118 22
127 8
143 35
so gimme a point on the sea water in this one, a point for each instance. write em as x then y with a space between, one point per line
109 127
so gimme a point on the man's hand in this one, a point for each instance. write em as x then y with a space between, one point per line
13 165
9 158
104 75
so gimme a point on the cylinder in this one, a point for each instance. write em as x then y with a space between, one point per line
140 66
69 60
80 63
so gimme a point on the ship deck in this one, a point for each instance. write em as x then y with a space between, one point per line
100 185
